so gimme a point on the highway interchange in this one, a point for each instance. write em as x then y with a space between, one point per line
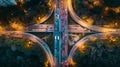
60 14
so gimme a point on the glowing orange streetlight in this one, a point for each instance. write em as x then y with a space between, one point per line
82 48
2 28
71 62
29 44
113 39
46 63
49 3
17 26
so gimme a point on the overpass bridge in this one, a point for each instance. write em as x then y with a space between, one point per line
50 28
60 28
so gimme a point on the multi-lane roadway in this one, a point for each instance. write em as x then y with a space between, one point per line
60 30
50 28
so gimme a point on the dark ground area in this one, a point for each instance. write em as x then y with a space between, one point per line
104 13
99 53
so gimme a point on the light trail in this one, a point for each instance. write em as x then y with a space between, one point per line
41 43
85 24
81 42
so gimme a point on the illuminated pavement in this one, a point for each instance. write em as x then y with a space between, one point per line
60 28
41 43
84 24
88 38
37 19
50 28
